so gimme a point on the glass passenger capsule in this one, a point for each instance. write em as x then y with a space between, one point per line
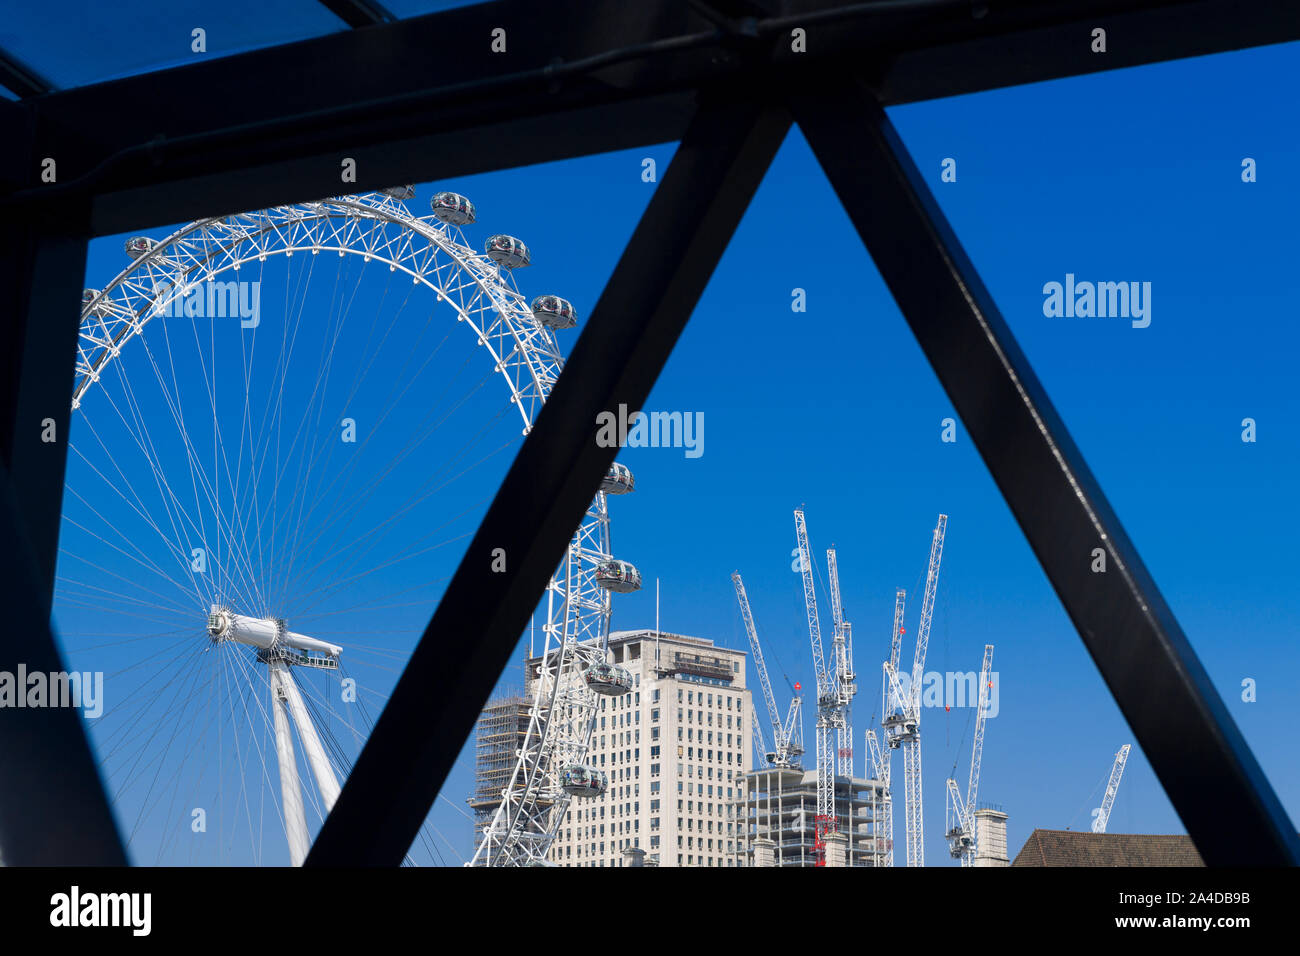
608 679
618 480
452 208
399 192
620 576
87 297
555 312
508 251
137 246
582 781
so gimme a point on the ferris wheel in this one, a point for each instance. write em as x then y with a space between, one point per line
284 420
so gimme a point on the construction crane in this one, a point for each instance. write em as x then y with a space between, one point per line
882 809
882 761
830 714
902 721
1101 816
844 679
961 812
787 737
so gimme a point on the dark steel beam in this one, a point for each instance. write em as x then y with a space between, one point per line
41 276
53 811
659 278
419 99
1186 732
358 13
20 78
930 49
426 98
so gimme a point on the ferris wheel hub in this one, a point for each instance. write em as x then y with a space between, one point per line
264 633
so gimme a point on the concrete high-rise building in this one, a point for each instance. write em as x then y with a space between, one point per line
676 750
779 810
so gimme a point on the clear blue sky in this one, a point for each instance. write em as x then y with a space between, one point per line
1133 175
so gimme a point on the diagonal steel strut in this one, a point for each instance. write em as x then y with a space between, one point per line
1161 687
663 271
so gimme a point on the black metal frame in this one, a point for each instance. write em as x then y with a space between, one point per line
586 76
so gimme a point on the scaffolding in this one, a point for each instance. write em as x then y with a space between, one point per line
498 737
780 805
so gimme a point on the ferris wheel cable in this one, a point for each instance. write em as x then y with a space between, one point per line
170 500
383 530
192 455
139 557
169 541
273 417
172 783
246 687
126 728
66 582
105 596
356 382
346 473
94 602
417 496
201 743
356 500
320 379
390 523
247 350
191 674
336 581
135 637
221 461
130 728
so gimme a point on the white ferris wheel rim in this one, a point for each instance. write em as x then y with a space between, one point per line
524 353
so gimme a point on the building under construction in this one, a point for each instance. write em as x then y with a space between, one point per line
498 737
779 811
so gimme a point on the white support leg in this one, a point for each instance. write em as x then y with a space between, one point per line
295 820
326 782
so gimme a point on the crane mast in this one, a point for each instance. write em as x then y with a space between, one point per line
785 746
829 713
903 721
961 812
844 680
882 813
1116 772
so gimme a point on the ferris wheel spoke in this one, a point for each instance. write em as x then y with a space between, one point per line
385 527
308 460
210 487
173 401
184 678
340 480
149 566
172 783
172 504
248 685
221 465
135 504
341 512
